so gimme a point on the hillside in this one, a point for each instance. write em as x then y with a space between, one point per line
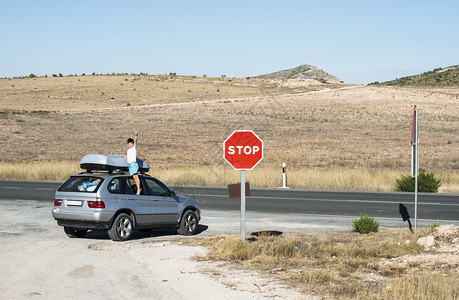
302 72
448 76
333 136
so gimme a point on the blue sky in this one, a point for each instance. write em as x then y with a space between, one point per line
358 41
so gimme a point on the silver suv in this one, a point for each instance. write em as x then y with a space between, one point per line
108 201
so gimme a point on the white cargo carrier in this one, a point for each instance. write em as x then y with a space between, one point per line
110 163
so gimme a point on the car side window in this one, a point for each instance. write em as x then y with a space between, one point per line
127 186
114 186
131 186
155 188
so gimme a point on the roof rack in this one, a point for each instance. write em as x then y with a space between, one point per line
110 164
115 171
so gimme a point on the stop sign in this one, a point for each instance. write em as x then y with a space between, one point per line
243 150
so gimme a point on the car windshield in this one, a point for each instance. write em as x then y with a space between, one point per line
87 184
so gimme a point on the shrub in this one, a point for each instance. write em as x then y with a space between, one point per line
427 183
434 225
365 224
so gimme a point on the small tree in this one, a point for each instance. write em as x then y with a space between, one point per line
427 183
365 224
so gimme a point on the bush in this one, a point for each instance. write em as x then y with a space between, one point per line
427 183
365 224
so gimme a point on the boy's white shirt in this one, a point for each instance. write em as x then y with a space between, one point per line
132 155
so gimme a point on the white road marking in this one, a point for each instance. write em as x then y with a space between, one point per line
334 200
13 187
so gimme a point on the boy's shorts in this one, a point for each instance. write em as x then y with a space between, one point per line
133 168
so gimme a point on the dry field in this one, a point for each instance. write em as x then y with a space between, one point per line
356 137
390 264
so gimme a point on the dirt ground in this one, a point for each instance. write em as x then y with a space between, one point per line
320 126
40 261
443 247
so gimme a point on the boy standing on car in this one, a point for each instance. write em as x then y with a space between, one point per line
132 161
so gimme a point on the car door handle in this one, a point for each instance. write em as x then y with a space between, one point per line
129 198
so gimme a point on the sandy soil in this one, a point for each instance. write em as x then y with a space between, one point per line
359 127
443 251
39 260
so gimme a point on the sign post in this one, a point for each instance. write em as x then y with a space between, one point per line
415 162
243 150
243 205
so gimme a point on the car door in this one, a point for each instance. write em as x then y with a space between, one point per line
165 206
141 205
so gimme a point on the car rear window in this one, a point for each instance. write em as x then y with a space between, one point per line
85 184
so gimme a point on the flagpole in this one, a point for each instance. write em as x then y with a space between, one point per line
416 190
415 163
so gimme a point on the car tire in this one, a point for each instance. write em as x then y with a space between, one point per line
189 223
122 228
75 232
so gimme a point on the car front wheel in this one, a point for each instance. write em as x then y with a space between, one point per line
122 227
75 232
189 223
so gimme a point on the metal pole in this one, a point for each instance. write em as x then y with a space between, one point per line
284 175
243 205
416 172
416 186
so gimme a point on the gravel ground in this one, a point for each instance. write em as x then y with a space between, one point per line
40 260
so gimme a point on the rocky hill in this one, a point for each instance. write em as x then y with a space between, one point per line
302 72
448 76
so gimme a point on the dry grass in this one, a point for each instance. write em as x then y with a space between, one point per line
96 92
53 171
358 180
437 284
340 265
352 132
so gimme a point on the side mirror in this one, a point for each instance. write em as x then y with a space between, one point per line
172 194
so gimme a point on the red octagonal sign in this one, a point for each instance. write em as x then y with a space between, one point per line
243 150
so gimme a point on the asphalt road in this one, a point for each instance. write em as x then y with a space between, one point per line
432 207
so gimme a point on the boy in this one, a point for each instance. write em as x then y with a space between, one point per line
132 161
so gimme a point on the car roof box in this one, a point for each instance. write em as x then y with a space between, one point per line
99 162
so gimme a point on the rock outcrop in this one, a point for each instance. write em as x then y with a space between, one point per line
302 72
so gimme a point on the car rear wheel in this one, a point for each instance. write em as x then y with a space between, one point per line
122 228
189 223
75 232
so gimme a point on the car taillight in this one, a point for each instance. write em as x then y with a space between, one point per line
58 202
96 204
